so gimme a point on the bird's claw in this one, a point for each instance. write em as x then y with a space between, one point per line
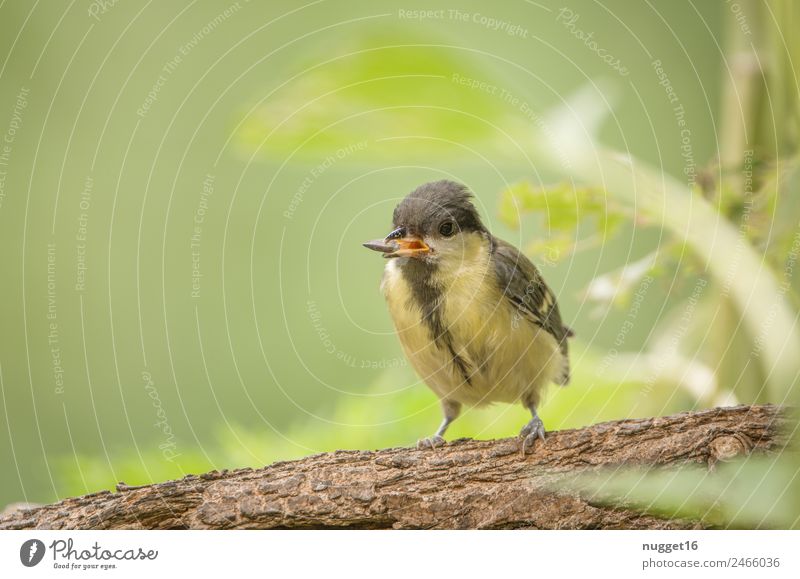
430 443
530 432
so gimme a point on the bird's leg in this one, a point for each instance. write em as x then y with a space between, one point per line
531 431
451 410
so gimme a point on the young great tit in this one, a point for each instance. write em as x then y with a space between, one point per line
474 316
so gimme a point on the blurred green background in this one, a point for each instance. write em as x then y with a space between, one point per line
185 187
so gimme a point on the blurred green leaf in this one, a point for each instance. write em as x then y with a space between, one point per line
692 220
756 492
563 208
381 85
617 287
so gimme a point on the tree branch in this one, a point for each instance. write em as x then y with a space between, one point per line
465 484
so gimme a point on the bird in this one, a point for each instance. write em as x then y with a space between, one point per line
474 316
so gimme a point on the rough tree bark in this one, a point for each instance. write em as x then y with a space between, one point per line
465 484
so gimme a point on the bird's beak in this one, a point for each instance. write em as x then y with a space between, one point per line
397 244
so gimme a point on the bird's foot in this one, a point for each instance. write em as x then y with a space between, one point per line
430 443
530 432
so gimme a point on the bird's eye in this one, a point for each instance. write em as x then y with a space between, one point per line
447 228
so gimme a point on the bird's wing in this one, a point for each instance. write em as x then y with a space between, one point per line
524 287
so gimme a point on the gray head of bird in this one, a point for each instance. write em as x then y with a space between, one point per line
435 224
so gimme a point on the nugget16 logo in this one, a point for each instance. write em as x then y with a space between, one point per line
31 552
